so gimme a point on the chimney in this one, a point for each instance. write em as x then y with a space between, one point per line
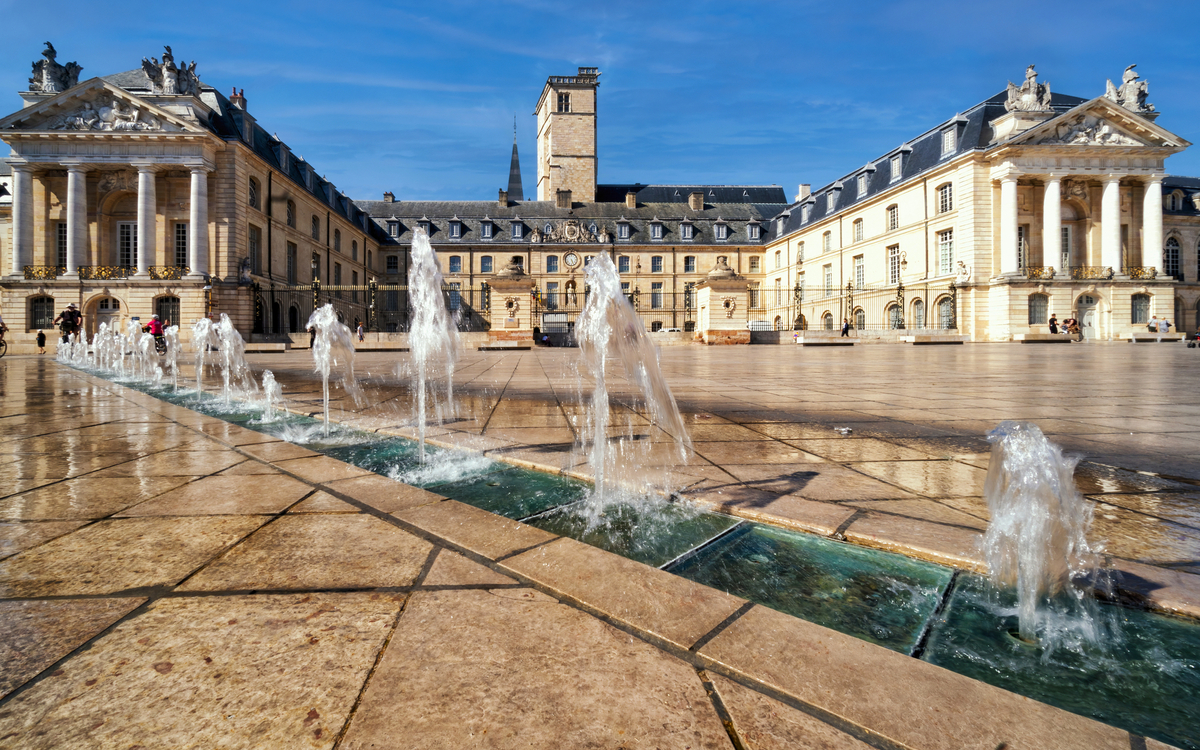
238 100
805 190
389 197
242 117
631 199
696 200
503 199
562 199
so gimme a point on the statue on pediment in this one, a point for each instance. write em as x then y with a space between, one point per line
1131 94
1088 130
168 78
50 77
107 113
1030 96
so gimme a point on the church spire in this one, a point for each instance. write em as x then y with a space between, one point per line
514 171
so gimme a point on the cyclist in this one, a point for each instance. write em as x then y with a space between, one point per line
3 343
71 320
155 328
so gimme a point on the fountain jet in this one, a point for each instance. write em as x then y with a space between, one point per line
332 346
432 335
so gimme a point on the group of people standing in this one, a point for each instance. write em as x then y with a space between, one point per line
1070 325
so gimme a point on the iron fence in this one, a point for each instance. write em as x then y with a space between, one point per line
872 308
555 313
282 309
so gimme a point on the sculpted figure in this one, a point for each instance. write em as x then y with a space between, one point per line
49 76
168 78
1030 96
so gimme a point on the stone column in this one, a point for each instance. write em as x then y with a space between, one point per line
147 212
1008 226
1052 223
198 228
1152 228
1110 223
76 217
22 220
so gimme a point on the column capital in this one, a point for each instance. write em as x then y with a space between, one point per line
1006 173
1107 178
1055 176
76 166
146 166
1150 179
21 167
199 168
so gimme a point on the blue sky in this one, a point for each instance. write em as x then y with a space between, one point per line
419 98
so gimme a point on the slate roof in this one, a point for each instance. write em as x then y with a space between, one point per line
225 124
919 155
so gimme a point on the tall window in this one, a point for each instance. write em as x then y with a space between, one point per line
685 231
946 314
893 217
337 240
485 264
858 230
316 227
860 319
1141 309
895 164
623 231
945 252
354 252
62 244
1038 307
689 264
862 184
948 140
291 262
895 315
827 242
827 270
454 296
393 228
754 231
127 245
337 274
255 247
1171 257
945 198
656 231
551 294
894 264
1066 248
721 231
291 214
167 309
518 230
564 102
656 264
778 291
778 259
181 244
253 196
918 314
623 264
41 312
830 201
392 264
754 300
455 264
860 272
800 252
485 230
755 264
1022 241
551 264
656 295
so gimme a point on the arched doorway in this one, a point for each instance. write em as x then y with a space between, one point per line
276 317
102 310
1088 315
293 319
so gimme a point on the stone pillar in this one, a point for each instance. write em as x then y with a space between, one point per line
198 228
76 217
1152 228
1009 264
147 210
22 220
1052 224
1110 223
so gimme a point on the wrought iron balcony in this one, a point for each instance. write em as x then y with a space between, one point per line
43 273
106 273
1039 272
168 273
1091 272
1142 272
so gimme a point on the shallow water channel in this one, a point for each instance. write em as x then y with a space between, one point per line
1146 680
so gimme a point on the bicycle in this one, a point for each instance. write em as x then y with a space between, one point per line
3 346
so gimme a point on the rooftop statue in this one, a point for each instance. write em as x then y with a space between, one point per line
49 77
1132 92
168 78
1030 96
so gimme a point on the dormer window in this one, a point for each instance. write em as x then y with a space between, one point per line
862 184
622 230
455 229
425 225
485 228
895 164
754 230
721 230
949 141
656 230
804 212
393 228
685 230
830 201
518 230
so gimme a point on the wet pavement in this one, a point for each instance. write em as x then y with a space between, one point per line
170 580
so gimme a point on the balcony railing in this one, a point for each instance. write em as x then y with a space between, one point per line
168 273
43 273
1039 272
1142 272
106 273
1091 272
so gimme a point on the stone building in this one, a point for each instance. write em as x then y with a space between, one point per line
150 192
1025 205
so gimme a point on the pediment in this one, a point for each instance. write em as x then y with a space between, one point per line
1100 123
95 106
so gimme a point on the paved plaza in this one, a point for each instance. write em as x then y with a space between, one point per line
171 580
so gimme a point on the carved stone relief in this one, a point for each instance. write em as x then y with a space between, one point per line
1075 189
567 231
1030 96
512 305
106 113
168 78
729 304
1088 130
111 181
50 77
962 274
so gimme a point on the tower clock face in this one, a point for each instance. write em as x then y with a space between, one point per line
571 259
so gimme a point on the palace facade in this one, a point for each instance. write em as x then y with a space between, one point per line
148 192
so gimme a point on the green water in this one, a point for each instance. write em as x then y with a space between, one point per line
1145 677
878 596
514 493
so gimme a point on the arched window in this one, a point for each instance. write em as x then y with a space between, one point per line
1171 257
945 309
860 319
945 195
895 317
41 312
291 214
827 321
1141 309
858 230
918 313
167 309
893 217
337 240
354 252
253 197
316 227
1038 309
827 242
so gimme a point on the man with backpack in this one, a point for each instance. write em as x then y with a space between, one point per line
71 321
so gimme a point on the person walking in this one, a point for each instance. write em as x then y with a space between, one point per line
41 342
1053 323
845 328
360 333
71 321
